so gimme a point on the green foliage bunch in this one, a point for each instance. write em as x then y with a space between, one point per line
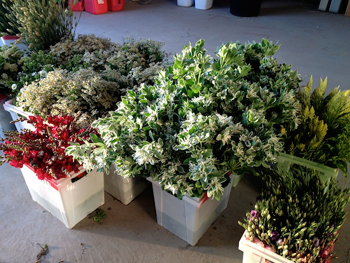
44 22
297 216
8 21
324 133
11 62
203 118
129 63
83 94
134 62
36 66
71 53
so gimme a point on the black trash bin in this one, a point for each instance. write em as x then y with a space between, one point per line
245 7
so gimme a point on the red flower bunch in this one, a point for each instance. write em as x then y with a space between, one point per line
44 148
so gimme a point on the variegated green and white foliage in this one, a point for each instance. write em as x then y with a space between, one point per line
203 118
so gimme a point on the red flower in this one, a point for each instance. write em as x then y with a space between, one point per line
44 148
40 173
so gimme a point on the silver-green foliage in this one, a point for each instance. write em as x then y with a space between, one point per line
203 118
296 217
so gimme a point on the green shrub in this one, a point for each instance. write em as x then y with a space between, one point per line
203 118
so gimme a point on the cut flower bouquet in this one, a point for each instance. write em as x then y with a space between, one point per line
297 216
44 148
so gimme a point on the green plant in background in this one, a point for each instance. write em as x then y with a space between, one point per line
296 217
203 118
11 61
8 21
44 23
35 67
134 62
324 133
82 94
100 89
85 51
129 63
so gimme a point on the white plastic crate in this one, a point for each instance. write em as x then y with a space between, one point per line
203 4
254 253
124 189
285 161
16 113
5 117
68 201
188 218
236 179
185 3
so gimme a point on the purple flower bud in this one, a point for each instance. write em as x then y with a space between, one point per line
316 242
259 198
254 215
275 235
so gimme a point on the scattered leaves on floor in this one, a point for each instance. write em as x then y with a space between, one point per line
98 215
43 252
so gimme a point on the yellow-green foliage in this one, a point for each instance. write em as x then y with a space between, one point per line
323 134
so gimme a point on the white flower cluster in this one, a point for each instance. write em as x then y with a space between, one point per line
82 94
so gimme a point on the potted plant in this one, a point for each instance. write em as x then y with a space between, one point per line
324 131
296 219
54 179
89 65
202 119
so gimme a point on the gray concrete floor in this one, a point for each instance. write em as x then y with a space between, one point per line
315 43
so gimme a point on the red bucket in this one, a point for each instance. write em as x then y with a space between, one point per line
78 6
96 7
116 5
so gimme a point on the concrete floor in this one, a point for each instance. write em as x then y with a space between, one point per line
315 43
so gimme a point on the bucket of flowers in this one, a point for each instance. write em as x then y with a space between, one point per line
203 119
295 220
54 179
321 141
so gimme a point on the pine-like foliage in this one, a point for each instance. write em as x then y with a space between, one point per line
323 135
